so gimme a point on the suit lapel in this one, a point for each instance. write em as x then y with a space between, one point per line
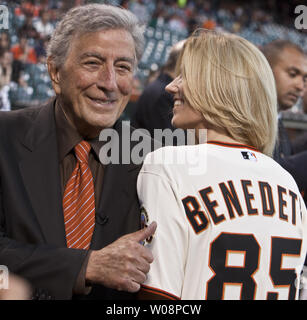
117 197
41 174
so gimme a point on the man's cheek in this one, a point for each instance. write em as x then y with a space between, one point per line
126 86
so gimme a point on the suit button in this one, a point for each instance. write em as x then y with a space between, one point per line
102 220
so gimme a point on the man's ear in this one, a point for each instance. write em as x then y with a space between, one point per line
54 75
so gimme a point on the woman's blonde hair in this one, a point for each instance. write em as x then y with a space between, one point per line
230 82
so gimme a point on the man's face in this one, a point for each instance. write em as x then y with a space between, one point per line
7 58
290 72
23 42
95 83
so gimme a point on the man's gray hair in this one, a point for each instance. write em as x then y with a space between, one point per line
92 18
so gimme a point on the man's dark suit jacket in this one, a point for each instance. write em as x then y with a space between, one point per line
283 147
296 165
154 107
32 234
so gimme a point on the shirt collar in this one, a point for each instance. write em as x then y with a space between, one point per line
68 136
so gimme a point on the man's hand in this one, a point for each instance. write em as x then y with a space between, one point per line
123 264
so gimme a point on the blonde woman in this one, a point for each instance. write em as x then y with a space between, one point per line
229 216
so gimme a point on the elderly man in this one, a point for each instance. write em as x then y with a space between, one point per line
69 224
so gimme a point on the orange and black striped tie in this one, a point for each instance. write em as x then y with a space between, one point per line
79 201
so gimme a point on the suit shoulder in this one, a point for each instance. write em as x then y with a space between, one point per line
14 124
16 116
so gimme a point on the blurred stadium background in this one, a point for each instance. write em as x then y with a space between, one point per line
166 22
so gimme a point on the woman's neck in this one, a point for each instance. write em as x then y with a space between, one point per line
213 135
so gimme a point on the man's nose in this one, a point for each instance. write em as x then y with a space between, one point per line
107 79
300 85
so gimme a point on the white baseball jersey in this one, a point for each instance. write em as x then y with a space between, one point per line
231 223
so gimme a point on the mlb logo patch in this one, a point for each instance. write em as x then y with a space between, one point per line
144 224
248 155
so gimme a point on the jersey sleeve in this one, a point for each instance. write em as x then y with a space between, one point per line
160 202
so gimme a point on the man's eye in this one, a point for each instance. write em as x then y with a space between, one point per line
124 67
91 63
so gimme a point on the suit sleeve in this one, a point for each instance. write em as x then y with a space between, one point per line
159 198
51 271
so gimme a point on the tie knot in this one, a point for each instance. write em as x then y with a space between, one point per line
82 151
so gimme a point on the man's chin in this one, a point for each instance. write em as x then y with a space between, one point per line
286 106
101 123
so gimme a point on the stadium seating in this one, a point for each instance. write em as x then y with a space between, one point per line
159 39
